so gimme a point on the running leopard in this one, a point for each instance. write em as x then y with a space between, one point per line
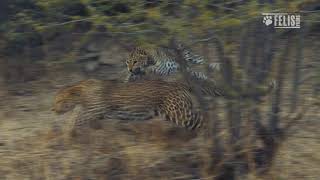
139 100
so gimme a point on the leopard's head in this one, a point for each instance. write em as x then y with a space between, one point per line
138 60
66 100
79 94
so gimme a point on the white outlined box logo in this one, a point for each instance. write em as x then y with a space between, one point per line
282 20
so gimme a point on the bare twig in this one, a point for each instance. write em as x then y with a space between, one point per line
68 22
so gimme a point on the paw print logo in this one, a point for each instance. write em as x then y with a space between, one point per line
267 20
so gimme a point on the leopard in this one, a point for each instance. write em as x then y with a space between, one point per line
163 61
140 100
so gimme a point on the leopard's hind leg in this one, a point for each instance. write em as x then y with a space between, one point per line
178 108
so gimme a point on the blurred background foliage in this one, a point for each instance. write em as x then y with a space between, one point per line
29 23
79 39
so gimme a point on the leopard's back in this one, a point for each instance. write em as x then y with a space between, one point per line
173 101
